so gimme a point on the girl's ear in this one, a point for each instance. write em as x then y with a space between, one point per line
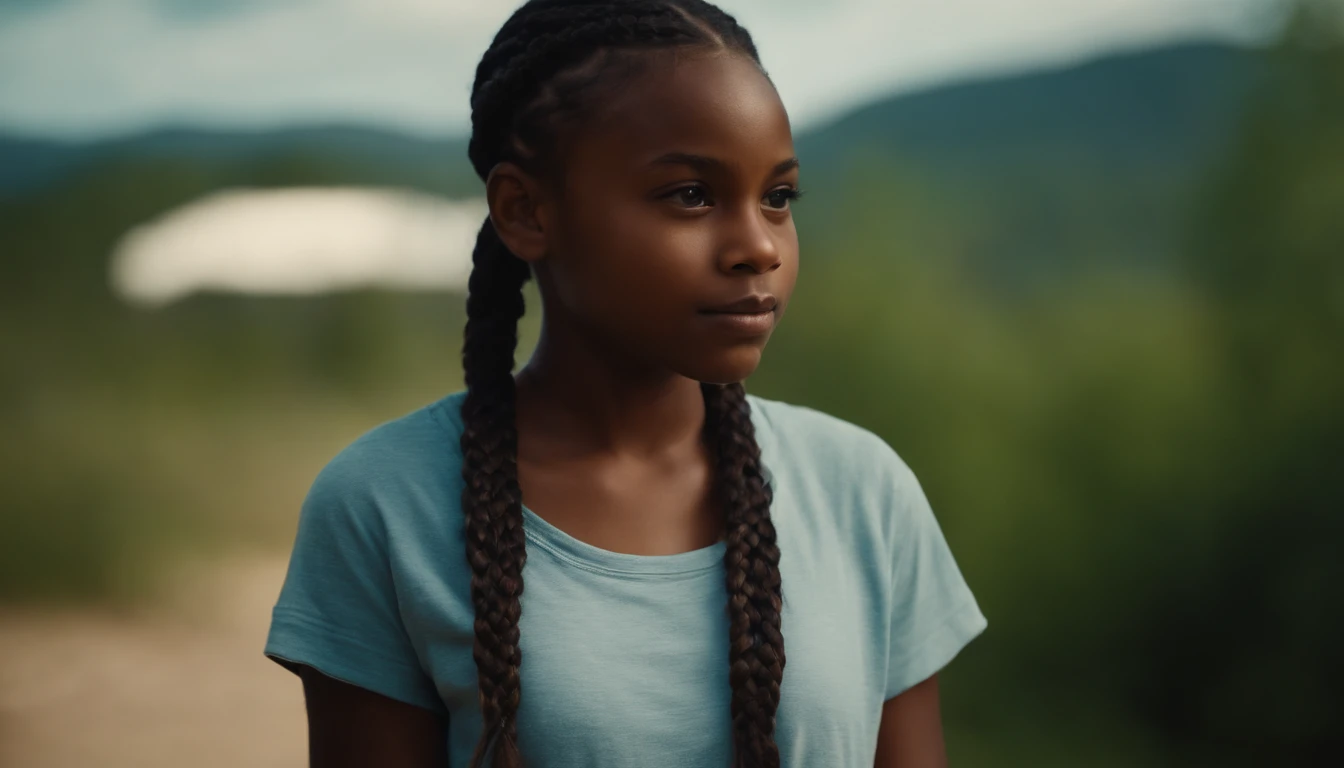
515 199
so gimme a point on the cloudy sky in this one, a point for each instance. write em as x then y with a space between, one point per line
81 68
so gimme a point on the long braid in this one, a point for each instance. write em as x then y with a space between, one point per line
491 499
756 644
525 85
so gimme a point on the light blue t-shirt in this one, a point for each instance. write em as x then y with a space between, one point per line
625 657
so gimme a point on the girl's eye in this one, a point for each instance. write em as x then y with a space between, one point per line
779 199
693 196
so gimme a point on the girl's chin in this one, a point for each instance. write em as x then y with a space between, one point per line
727 366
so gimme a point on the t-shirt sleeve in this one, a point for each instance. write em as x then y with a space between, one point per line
933 614
338 610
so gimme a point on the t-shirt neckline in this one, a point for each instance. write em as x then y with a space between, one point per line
584 555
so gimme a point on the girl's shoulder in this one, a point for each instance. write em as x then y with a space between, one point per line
812 442
403 464
424 440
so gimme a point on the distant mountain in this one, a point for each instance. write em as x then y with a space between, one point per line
1171 105
1097 163
366 155
1071 167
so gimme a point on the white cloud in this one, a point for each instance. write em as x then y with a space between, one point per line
298 241
93 66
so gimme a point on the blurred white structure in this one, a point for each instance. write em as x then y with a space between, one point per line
299 241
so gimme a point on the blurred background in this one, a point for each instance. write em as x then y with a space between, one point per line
1081 264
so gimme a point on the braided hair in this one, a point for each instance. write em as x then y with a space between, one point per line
542 67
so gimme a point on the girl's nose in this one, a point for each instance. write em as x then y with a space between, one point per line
752 246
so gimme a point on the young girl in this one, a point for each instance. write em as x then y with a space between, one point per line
679 536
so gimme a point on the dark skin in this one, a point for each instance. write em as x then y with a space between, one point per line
674 200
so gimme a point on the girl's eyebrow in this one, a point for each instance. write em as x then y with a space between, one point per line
704 164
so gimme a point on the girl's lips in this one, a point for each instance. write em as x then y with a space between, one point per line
747 305
744 323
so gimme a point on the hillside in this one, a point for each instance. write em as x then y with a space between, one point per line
1169 105
1077 167
361 155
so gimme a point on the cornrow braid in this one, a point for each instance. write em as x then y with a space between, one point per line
530 78
491 499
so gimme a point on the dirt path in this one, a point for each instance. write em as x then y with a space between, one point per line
184 684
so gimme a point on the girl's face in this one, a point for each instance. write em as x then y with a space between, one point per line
676 206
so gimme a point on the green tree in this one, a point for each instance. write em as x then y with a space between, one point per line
1257 672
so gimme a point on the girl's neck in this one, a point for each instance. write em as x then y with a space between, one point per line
576 398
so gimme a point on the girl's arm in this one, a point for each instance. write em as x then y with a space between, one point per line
351 727
911 734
